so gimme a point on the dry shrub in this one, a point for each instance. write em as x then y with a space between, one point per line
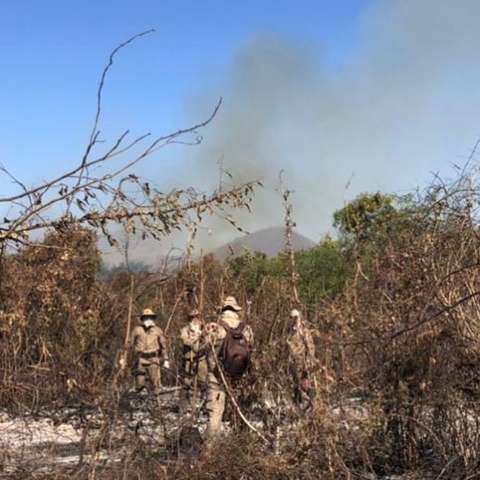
408 326
56 321
402 339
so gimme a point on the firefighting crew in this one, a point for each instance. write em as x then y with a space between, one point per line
215 355
221 334
150 348
302 360
194 358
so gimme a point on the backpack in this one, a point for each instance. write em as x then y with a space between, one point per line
235 351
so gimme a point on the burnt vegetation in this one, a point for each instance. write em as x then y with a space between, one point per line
393 302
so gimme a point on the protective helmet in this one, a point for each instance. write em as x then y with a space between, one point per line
148 313
295 313
231 302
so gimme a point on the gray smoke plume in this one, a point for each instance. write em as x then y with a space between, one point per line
404 103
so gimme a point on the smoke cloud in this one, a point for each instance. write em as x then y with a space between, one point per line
404 103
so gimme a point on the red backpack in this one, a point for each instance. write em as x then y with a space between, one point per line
235 351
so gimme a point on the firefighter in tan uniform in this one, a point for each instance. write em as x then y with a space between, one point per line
302 360
195 369
150 348
216 334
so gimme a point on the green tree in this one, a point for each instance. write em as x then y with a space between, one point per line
323 271
365 213
253 268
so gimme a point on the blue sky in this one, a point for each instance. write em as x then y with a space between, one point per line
52 53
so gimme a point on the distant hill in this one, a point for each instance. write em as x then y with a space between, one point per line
270 241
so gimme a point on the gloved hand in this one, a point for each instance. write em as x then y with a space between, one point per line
122 362
211 328
196 329
166 364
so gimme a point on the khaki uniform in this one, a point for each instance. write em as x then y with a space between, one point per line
149 345
301 348
195 368
216 393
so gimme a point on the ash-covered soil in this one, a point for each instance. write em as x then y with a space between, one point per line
69 437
